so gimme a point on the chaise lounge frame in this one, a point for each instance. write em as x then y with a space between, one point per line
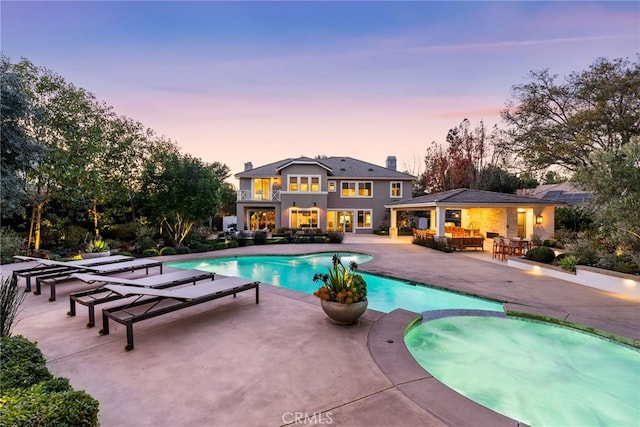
113 268
177 301
46 268
101 295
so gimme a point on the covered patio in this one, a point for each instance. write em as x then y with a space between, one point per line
463 213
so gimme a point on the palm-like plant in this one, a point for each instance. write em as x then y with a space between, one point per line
341 284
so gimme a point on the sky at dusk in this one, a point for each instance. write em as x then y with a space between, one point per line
263 81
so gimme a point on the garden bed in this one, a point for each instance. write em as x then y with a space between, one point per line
607 280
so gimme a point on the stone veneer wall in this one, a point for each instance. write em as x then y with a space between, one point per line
490 219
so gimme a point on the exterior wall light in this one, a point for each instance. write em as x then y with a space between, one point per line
538 219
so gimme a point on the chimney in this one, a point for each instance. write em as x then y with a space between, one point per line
248 166
391 162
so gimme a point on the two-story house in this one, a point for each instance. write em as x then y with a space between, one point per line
332 194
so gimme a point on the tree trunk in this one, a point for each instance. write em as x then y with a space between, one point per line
94 214
38 222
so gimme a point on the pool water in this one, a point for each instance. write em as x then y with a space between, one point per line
296 272
534 372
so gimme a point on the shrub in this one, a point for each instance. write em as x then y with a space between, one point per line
126 232
168 250
260 238
10 244
23 364
439 245
150 252
568 262
10 299
184 250
38 406
541 254
335 236
621 263
586 252
198 246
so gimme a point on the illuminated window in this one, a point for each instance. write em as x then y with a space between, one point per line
332 186
396 189
357 189
364 218
293 183
304 183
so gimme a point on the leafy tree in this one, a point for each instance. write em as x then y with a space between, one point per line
70 133
181 191
494 178
563 124
18 149
458 164
573 218
614 181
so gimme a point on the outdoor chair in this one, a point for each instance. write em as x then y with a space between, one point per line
49 268
151 302
101 295
114 268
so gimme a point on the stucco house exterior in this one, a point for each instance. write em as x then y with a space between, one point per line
331 193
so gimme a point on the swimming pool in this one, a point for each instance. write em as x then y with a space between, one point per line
534 372
296 272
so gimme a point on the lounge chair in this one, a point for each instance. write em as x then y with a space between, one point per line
49 268
114 268
150 302
100 295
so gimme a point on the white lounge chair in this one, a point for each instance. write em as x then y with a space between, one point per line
114 268
100 295
151 302
49 268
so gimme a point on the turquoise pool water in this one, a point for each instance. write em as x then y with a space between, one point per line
296 272
534 372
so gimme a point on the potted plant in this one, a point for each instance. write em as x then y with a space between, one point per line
95 248
343 294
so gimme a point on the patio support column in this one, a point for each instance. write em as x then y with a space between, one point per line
440 220
393 227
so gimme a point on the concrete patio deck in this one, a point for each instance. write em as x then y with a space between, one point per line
231 362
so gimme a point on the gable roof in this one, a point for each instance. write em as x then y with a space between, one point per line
464 197
339 167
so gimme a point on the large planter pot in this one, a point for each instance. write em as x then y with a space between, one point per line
89 255
344 314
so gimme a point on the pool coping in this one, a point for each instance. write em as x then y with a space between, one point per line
386 346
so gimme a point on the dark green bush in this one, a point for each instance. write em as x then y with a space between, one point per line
438 245
621 263
38 406
23 364
126 232
587 253
184 250
168 250
11 244
541 254
335 236
198 246
260 238
31 396
150 252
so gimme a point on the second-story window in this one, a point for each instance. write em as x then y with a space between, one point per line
357 189
304 183
396 189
